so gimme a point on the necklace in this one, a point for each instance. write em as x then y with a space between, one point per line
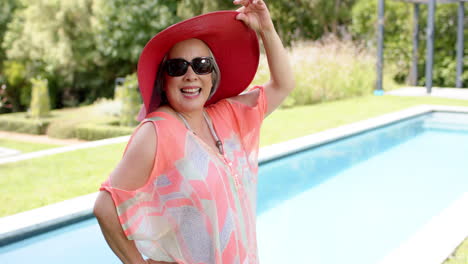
219 144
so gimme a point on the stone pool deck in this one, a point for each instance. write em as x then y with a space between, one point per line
452 93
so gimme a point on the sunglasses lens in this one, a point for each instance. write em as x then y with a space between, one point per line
202 65
176 67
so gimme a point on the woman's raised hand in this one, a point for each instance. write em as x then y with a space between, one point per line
255 14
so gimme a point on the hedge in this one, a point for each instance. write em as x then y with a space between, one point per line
24 125
62 128
101 131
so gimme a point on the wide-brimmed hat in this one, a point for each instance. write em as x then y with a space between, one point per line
234 46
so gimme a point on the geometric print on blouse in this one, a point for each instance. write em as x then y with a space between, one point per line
198 206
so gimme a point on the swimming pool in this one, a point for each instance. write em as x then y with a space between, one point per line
355 200
351 199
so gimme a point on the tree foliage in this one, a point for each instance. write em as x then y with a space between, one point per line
122 27
399 35
7 8
331 14
82 46
56 33
190 8
52 38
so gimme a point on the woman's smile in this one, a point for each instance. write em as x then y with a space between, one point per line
191 92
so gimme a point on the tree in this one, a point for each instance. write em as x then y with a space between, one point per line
332 13
190 8
48 31
7 8
398 38
53 38
123 27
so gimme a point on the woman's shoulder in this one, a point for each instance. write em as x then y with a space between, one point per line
136 165
248 98
143 144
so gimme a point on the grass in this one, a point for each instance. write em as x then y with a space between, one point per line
25 146
299 121
460 256
37 182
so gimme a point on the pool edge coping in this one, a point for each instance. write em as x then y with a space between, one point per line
436 240
19 226
275 151
62 213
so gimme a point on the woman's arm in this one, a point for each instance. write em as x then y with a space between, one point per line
105 212
131 173
255 14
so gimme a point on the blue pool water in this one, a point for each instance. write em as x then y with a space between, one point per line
350 201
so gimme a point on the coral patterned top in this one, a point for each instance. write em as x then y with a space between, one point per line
198 206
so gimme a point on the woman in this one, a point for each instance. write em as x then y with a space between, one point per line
185 189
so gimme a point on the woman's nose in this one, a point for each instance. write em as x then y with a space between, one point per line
190 75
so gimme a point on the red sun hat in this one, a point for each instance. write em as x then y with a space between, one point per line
233 44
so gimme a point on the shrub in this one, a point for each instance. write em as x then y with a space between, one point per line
131 101
40 101
96 132
63 128
327 70
108 107
5 105
84 123
86 129
18 90
21 124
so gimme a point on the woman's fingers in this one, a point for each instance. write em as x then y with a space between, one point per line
250 3
242 2
241 10
242 17
254 14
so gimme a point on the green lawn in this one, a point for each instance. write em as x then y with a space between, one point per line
295 122
460 256
24 146
37 182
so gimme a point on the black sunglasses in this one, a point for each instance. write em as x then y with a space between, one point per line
178 67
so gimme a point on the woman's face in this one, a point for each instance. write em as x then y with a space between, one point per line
190 91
